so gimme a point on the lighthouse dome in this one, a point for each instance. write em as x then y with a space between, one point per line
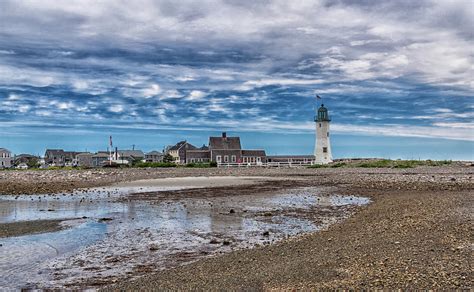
323 115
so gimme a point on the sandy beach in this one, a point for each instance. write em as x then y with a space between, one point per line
416 232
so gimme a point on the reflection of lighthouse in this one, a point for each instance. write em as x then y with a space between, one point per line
322 147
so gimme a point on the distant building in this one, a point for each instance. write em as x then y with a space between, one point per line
128 155
84 159
54 157
154 156
100 159
70 158
254 156
27 159
59 157
288 159
198 156
224 150
178 151
5 158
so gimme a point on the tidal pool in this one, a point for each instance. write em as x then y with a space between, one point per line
108 239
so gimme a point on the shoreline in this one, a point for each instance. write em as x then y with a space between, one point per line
57 181
414 234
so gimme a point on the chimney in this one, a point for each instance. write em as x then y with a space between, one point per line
224 135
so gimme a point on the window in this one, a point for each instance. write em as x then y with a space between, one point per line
328 134
325 149
320 125
234 158
226 158
259 159
219 159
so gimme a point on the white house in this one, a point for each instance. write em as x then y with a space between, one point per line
5 158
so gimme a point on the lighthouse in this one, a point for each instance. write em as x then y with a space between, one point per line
322 145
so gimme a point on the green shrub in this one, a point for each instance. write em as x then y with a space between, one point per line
155 164
387 163
318 166
375 164
198 165
337 164
213 164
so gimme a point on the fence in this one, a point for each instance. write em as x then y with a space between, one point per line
268 164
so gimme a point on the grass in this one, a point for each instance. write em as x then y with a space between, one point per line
155 164
379 163
199 165
385 163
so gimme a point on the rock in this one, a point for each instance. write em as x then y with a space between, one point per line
226 242
214 241
153 247
232 211
105 219
266 233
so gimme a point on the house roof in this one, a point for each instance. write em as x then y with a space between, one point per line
131 153
224 143
84 154
177 146
54 152
291 156
71 154
253 153
181 144
100 154
154 153
23 155
198 154
4 150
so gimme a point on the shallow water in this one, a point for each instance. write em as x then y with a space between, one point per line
143 236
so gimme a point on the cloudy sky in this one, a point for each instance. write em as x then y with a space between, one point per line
397 76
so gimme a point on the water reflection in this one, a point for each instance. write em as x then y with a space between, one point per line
154 234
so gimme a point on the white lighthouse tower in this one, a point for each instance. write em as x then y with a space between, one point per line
322 145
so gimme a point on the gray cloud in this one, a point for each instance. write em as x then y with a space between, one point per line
237 60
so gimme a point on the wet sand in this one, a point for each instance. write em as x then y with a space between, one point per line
417 233
126 235
29 227
192 182
403 240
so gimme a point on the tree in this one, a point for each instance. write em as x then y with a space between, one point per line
168 158
32 163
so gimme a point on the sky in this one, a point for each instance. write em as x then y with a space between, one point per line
397 76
